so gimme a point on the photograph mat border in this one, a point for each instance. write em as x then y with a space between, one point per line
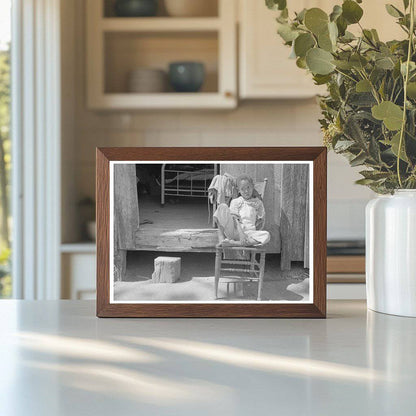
214 302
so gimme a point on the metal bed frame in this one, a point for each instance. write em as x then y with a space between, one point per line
186 187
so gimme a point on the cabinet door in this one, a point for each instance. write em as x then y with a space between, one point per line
265 68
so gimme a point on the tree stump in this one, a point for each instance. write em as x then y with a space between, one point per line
167 270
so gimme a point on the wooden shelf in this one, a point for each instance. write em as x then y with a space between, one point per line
346 269
159 24
116 46
346 264
167 100
80 247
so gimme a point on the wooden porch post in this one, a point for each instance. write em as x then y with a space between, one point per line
126 215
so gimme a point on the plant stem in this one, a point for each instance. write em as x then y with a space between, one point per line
406 79
373 90
345 75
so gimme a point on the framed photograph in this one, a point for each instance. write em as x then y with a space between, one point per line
211 232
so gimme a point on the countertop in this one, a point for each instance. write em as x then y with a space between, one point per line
57 358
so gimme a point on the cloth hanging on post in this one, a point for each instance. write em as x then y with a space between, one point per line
222 189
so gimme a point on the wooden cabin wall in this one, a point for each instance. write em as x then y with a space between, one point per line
294 214
126 215
285 202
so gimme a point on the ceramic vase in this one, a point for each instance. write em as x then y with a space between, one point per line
391 253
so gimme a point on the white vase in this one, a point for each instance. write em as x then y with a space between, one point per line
391 253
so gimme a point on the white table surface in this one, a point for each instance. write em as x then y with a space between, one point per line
57 358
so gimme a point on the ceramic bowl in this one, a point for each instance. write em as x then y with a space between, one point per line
135 8
147 80
186 76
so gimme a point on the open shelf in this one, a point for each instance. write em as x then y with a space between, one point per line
130 101
127 51
79 247
160 24
116 46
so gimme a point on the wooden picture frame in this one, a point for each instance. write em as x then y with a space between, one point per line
315 157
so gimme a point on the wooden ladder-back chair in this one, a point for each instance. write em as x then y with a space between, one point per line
250 266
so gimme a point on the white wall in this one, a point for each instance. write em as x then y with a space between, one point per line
266 123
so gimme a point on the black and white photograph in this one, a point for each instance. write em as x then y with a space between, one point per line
211 232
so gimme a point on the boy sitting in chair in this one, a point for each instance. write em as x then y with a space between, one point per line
242 222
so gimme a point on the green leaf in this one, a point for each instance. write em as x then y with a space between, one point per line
385 63
276 4
301 63
391 114
361 99
336 12
358 61
324 42
368 36
382 88
319 61
396 71
394 145
375 35
363 86
303 43
343 145
374 175
412 67
377 75
351 11
321 79
358 160
406 4
393 11
364 181
343 65
333 32
286 32
342 25
347 37
411 90
301 15
327 40
353 130
374 150
316 20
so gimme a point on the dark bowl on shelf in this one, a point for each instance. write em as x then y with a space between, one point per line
135 8
186 76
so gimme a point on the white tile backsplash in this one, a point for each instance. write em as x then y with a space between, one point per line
271 123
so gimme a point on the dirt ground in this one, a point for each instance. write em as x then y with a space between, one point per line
197 280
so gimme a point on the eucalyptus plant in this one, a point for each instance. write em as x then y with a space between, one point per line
369 112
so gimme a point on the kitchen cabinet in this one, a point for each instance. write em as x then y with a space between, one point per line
78 263
265 70
118 45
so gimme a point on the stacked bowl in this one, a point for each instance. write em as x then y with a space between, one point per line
147 80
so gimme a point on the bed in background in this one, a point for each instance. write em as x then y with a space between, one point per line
186 180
